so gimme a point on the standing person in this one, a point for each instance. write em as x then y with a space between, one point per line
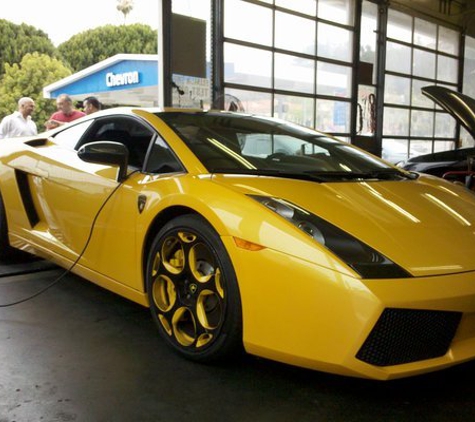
20 122
66 112
91 105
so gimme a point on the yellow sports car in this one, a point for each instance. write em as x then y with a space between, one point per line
244 232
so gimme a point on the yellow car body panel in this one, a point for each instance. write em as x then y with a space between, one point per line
338 312
389 216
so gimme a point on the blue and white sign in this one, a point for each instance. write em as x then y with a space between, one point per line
119 79
120 72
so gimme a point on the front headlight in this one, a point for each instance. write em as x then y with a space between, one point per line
366 261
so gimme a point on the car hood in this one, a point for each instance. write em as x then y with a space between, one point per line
460 106
426 226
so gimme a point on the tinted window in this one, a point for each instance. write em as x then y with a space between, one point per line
128 131
70 136
161 159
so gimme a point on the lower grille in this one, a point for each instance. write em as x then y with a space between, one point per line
409 335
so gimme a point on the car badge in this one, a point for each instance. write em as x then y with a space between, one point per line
141 203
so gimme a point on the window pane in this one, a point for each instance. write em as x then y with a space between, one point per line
340 11
447 69
190 92
252 102
258 27
419 99
333 80
333 116
395 150
247 66
422 123
423 64
399 26
396 122
303 6
425 34
334 43
397 90
299 110
469 67
444 125
466 140
294 33
443 146
294 73
369 25
68 138
420 147
448 41
398 58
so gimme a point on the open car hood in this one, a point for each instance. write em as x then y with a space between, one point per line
460 106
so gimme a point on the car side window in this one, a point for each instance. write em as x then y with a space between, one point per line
70 136
128 131
161 159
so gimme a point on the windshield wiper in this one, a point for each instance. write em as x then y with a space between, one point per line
321 176
273 173
391 173
380 174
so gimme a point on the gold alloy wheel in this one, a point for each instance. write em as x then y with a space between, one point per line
187 289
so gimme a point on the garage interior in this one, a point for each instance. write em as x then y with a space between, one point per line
80 353
71 351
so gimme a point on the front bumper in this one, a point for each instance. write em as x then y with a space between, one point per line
308 315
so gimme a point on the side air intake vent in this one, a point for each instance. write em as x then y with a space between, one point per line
37 142
25 192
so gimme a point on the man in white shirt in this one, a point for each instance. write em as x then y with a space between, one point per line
20 122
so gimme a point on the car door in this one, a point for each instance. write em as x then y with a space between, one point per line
51 190
115 249
82 208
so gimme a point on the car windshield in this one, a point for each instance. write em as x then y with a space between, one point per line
245 144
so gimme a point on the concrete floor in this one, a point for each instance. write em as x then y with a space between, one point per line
80 353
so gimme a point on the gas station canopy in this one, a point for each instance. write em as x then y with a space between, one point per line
123 79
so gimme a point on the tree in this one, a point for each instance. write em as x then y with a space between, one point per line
125 6
18 40
27 79
92 46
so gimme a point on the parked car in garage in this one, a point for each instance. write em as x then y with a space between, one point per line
455 164
250 233
439 163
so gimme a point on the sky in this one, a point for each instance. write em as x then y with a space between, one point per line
61 19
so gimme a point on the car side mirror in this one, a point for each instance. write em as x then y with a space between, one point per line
106 152
470 181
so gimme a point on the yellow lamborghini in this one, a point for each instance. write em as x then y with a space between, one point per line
250 233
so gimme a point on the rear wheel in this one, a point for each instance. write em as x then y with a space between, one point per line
193 292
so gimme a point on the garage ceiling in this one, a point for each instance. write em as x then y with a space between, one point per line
456 12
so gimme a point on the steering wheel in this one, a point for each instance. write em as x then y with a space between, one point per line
276 156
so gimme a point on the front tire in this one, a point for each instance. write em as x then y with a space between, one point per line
193 292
